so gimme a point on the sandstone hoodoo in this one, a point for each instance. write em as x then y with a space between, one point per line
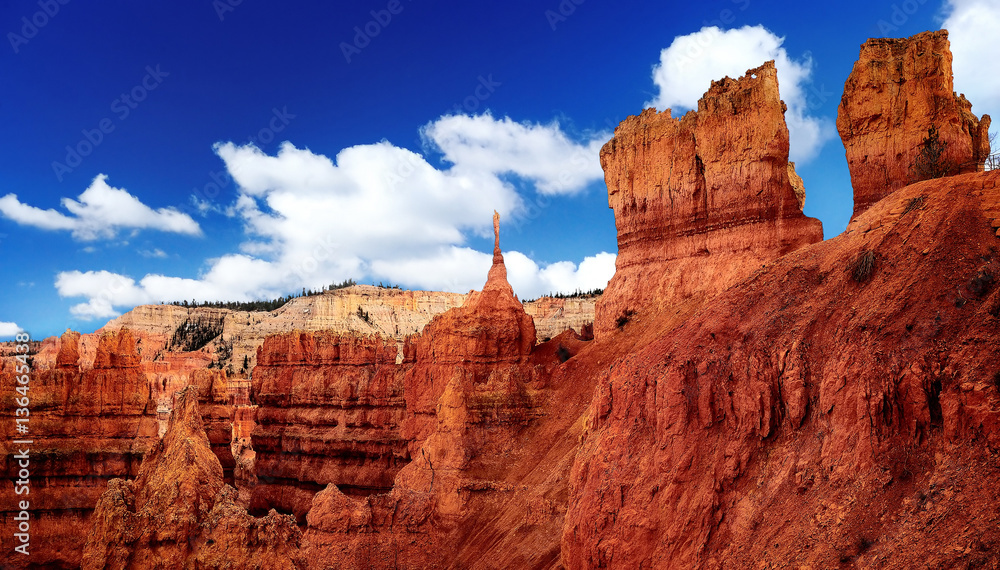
179 514
700 201
901 121
344 410
484 343
492 421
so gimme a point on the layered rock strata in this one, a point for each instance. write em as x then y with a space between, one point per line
345 410
233 337
87 427
897 92
330 407
700 201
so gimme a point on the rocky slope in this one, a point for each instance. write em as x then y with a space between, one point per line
701 201
898 90
852 420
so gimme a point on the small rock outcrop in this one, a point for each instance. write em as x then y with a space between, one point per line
68 357
901 121
702 201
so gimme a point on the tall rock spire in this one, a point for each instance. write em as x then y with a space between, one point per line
496 279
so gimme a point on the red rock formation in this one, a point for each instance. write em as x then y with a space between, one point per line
700 202
69 352
87 428
474 400
839 405
330 406
179 514
897 91
842 406
484 343
473 496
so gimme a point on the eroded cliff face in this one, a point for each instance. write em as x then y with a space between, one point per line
898 90
701 201
852 418
179 514
88 427
553 315
330 407
95 423
230 339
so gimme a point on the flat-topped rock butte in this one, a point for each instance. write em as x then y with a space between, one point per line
898 90
754 396
701 201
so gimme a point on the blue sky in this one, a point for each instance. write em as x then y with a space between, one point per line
234 150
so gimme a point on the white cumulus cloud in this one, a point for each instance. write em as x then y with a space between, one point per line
689 65
99 212
971 25
542 153
377 211
8 330
462 269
